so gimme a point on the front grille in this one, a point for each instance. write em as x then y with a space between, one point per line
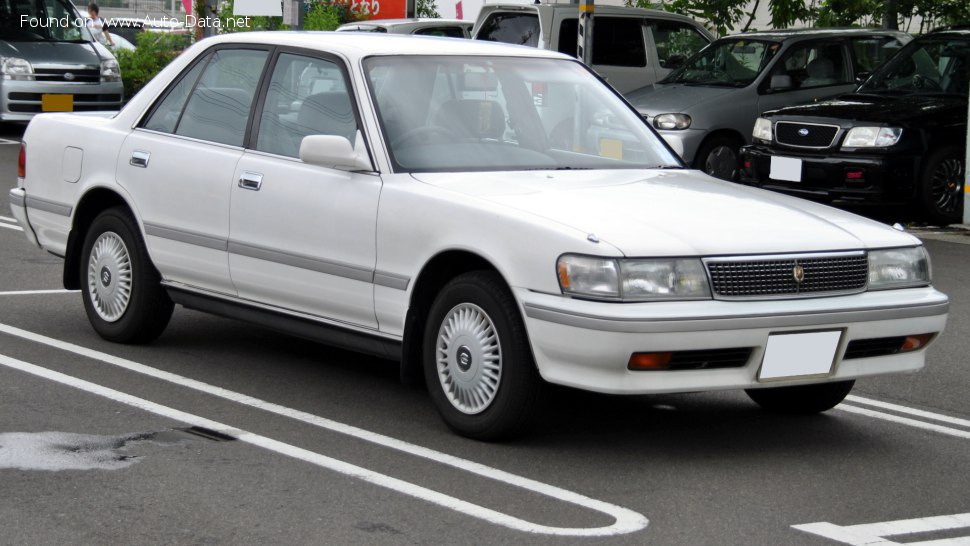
710 359
805 135
79 75
881 346
778 276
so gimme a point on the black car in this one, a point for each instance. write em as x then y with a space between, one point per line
899 138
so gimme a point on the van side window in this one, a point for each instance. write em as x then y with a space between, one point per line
511 28
617 41
871 51
676 42
814 65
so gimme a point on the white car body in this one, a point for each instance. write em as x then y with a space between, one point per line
349 250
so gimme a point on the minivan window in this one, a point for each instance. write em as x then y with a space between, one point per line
511 28
814 64
45 21
676 42
730 63
617 41
871 51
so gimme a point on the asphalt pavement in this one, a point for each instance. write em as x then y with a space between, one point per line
224 433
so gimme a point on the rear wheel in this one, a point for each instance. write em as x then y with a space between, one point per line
122 291
477 360
719 157
941 186
802 399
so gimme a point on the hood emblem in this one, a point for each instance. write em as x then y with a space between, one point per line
798 272
69 76
803 131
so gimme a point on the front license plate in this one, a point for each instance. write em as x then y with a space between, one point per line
50 102
786 168
799 355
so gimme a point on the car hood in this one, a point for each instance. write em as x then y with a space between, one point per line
879 108
48 53
673 212
674 98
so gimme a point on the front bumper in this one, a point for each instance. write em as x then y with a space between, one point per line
18 207
22 100
685 142
836 175
588 345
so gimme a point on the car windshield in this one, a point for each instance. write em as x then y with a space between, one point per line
730 63
930 66
457 113
42 21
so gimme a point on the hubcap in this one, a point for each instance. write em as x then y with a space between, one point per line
722 163
109 276
947 185
469 358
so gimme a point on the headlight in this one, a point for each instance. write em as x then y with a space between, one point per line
672 121
762 130
14 68
898 268
110 71
869 137
633 279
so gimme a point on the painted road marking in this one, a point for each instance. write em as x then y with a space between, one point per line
874 534
626 521
8 219
965 434
909 411
37 292
9 226
8 141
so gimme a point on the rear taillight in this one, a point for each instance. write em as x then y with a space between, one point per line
22 161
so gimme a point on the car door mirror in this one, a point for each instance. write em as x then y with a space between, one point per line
336 152
861 77
780 82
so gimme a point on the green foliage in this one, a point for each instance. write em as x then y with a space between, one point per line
427 8
153 53
326 16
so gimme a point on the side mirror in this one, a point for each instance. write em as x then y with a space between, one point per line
780 82
675 61
861 77
335 152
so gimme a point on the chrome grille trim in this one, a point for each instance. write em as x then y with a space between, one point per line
772 276
795 125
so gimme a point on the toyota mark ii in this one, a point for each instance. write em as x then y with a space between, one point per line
492 216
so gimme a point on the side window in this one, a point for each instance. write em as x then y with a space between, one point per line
676 42
306 96
870 52
167 113
448 32
219 108
511 28
814 65
617 41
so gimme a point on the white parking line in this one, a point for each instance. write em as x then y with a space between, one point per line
905 421
8 226
909 411
8 219
874 534
37 292
626 521
8 141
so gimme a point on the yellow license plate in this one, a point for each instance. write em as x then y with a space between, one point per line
56 103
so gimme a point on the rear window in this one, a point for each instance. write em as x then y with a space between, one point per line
511 28
617 41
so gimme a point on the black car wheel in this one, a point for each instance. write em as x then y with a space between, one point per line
477 360
941 186
719 157
121 288
802 399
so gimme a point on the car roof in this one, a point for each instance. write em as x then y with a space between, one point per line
574 6
355 45
411 20
786 34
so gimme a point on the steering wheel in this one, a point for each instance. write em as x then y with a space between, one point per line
424 135
920 82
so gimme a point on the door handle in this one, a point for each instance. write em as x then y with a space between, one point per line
139 158
250 180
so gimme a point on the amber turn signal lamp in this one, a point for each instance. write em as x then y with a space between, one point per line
563 275
650 361
912 343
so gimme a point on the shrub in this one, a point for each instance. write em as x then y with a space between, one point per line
153 52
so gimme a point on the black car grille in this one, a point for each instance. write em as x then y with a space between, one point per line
882 346
80 75
805 135
778 277
710 359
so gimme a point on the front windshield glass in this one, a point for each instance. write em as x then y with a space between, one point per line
42 21
730 63
928 67
471 113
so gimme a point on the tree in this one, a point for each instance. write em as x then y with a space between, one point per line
427 8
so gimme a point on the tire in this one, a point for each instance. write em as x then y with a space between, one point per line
802 399
478 364
941 187
120 286
719 157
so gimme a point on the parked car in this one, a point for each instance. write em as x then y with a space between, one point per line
706 108
424 26
49 61
632 47
899 138
402 214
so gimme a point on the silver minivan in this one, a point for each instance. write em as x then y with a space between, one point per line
705 109
50 62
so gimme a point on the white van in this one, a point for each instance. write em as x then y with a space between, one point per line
632 47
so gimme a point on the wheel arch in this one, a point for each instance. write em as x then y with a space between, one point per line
724 132
92 203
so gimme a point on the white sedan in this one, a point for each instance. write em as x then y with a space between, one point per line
492 216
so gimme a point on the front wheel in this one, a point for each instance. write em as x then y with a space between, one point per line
719 157
802 399
941 186
478 364
121 288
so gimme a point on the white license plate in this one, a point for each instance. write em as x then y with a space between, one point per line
799 355
786 168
